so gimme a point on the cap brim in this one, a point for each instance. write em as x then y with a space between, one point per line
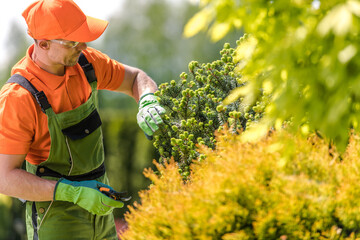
89 31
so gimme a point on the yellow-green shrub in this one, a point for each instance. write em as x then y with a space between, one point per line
283 187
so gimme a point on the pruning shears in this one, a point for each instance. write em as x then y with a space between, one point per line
118 196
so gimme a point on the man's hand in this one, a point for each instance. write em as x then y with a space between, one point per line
87 195
149 115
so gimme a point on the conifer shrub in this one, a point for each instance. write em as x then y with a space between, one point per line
195 109
282 187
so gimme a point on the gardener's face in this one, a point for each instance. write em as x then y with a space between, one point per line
65 52
54 55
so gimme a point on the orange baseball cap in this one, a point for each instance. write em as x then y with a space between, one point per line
61 19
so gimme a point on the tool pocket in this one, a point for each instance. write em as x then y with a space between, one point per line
85 127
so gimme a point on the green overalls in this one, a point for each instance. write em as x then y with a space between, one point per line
76 153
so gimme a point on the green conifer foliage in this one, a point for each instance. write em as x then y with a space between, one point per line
195 110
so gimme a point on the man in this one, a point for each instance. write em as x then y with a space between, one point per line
59 133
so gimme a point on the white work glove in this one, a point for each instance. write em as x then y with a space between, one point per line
149 115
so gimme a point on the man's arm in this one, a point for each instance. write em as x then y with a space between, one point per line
18 183
136 83
141 87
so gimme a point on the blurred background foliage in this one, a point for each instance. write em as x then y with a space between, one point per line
149 35
145 34
305 53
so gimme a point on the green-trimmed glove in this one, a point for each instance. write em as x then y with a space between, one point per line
149 115
87 195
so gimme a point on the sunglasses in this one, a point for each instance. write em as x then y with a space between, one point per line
66 43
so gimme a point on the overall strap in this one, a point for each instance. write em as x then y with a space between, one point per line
88 68
39 96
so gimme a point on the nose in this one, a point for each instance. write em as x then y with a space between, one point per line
82 46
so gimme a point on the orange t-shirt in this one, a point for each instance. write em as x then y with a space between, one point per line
23 126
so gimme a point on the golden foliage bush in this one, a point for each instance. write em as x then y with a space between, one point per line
282 187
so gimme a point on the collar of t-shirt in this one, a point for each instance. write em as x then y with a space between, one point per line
29 69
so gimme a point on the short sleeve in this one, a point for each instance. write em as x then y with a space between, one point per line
109 72
17 119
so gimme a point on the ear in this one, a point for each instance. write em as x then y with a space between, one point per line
44 44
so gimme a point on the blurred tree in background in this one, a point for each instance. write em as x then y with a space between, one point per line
17 44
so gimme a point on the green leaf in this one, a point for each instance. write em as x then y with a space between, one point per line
200 21
339 20
219 30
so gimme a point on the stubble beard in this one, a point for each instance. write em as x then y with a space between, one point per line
73 60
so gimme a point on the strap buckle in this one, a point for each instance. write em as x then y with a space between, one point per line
42 100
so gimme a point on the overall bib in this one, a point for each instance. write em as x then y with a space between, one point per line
77 154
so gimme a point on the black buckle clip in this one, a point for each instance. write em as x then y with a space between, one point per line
42 100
